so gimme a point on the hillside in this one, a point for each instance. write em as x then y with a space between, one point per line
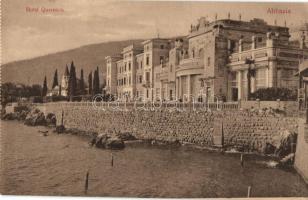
32 71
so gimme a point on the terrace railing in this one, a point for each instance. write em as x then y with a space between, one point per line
146 106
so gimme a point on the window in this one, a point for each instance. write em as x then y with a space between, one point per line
125 67
129 66
124 81
148 60
140 79
208 61
129 80
140 64
147 76
147 93
259 39
193 53
162 46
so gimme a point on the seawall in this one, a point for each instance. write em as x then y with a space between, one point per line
301 156
251 131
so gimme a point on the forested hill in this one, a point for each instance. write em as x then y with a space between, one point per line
32 71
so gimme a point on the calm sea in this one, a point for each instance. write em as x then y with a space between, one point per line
32 164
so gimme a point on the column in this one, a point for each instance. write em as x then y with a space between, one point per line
253 84
188 87
272 74
253 44
176 88
239 84
266 77
240 43
161 90
180 87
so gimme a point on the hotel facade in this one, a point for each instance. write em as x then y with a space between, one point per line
221 60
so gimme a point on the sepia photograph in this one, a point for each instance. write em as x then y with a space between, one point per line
154 99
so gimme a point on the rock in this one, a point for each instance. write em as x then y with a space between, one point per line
286 143
288 158
100 140
35 118
125 136
9 116
51 119
268 149
60 129
23 115
114 143
104 141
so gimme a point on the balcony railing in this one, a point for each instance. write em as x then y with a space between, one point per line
191 63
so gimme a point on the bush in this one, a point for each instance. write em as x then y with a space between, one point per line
58 98
272 94
36 99
76 98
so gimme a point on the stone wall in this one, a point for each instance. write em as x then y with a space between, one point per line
301 156
239 128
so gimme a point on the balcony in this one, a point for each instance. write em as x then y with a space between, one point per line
190 66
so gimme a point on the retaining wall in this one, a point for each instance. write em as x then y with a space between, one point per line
301 156
239 128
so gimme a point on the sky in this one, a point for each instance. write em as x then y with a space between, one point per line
28 34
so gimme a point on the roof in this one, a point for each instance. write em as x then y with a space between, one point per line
154 39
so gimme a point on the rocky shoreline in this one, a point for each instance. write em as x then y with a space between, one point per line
113 139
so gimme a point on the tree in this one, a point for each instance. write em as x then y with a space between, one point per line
44 90
35 90
72 82
96 85
90 83
81 85
55 79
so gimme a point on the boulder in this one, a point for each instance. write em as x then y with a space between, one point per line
125 136
35 118
51 119
9 116
100 140
286 143
22 115
104 141
114 143
60 129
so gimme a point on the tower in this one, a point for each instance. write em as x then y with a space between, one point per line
64 82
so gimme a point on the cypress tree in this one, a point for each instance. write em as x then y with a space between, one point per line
72 83
90 83
96 85
96 82
81 85
44 90
55 79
